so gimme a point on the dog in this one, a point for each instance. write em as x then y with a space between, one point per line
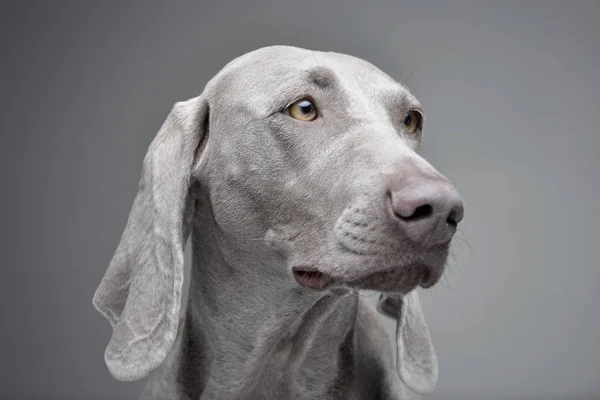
297 175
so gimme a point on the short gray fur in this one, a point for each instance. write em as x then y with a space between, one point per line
261 193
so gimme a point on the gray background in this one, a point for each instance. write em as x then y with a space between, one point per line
512 93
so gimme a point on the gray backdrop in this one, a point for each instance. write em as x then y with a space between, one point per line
512 91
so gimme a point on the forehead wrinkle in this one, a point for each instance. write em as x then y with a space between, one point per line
363 103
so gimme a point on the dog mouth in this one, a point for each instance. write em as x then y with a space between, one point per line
312 279
392 280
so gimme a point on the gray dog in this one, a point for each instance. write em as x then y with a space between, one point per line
297 174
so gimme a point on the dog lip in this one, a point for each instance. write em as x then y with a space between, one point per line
427 280
386 280
311 278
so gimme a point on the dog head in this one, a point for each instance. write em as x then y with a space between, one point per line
308 163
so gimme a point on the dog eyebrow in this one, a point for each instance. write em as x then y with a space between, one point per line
319 77
401 99
322 77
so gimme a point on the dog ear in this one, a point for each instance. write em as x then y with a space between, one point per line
416 361
140 293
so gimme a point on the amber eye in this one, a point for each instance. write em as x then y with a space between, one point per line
303 110
412 121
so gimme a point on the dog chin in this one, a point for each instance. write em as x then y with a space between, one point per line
402 279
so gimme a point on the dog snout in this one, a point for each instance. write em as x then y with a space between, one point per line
427 210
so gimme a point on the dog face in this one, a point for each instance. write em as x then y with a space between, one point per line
312 165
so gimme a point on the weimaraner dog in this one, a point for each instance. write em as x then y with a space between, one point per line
297 175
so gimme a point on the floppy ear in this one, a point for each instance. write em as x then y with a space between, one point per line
140 294
416 361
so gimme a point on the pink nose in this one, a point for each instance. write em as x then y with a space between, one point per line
427 209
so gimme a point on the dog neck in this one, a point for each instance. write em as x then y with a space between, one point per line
256 332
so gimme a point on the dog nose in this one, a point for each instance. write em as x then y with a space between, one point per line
428 210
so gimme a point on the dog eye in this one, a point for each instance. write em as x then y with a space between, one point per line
412 121
303 110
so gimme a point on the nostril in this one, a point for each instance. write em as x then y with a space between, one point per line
451 220
420 212
456 214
